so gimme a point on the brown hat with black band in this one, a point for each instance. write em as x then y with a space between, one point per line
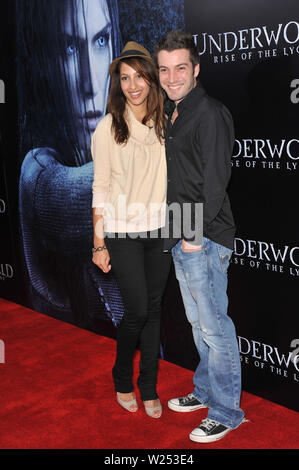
131 49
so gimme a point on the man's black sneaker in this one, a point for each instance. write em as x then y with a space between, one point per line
209 431
185 404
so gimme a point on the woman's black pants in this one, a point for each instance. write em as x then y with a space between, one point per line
141 269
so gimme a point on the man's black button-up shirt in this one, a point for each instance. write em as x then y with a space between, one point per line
199 146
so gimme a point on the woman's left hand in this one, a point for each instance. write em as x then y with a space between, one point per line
102 260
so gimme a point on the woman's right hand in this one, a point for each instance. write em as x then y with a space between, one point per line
102 260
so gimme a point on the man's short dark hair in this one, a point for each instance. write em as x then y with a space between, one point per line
178 40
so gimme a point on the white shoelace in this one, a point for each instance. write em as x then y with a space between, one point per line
209 423
188 398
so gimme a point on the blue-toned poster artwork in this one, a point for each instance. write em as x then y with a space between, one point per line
58 114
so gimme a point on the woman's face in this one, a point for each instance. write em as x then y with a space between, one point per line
133 85
87 63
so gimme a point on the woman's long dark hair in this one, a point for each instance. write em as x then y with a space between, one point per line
46 117
117 100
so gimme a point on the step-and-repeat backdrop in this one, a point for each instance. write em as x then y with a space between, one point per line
54 69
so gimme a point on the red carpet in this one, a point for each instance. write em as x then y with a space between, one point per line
56 393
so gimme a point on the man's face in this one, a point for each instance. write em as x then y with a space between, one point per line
176 73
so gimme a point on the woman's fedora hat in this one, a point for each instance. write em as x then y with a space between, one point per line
131 49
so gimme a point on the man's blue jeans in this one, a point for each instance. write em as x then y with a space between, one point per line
203 282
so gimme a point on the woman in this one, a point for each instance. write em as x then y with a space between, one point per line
129 201
64 52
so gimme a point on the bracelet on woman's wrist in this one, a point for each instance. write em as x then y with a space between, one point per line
99 248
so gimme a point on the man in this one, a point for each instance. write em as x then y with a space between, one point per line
199 143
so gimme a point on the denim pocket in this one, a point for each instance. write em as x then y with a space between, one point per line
224 257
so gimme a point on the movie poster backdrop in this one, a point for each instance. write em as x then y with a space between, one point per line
53 93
